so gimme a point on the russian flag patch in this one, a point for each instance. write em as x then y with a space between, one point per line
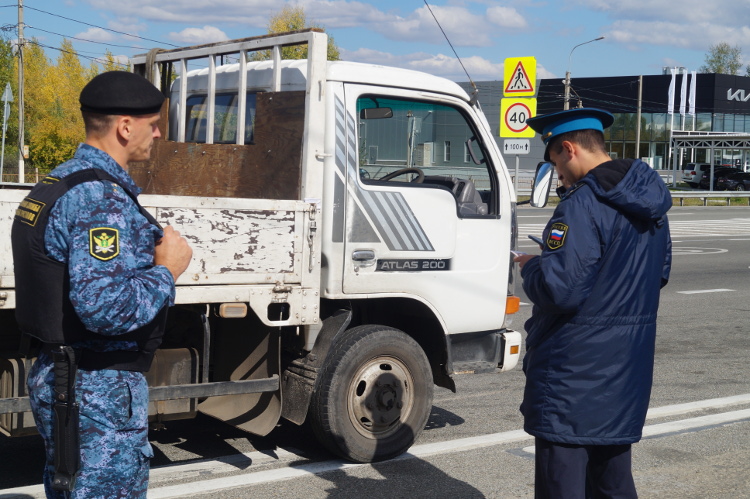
556 235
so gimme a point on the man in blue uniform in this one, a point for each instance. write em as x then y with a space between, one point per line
95 274
595 289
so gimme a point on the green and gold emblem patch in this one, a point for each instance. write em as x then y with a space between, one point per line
104 243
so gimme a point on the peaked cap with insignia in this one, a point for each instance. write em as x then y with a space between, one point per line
551 125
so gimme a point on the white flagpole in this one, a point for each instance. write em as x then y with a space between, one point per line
692 96
670 110
683 97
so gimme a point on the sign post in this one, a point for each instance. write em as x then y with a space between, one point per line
7 99
519 104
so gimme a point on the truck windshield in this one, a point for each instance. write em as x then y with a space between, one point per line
425 142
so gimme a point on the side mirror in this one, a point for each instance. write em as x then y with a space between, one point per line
541 185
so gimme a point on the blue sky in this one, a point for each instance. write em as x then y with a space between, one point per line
641 36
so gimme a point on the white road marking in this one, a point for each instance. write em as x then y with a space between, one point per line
685 250
225 464
726 227
700 291
417 451
700 405
702 422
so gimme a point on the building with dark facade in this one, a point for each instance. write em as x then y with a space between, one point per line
722 104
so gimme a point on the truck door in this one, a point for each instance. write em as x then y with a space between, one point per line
424 214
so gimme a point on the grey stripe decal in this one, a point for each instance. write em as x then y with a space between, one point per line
376 213
394 220
339 189
387 207
415 229
392 207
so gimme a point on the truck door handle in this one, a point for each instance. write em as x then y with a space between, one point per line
363 255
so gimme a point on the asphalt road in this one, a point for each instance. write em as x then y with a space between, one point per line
697 437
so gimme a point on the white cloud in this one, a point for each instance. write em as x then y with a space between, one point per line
251 13
342 14
96 35
128 25
478 68
436 64
696 37
729 13
421 26
196 36
506 17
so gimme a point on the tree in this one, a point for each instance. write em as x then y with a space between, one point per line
723 59
112 64
53 122
293 19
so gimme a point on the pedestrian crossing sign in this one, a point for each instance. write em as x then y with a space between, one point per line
519 77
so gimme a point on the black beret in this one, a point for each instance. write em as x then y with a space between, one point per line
120 92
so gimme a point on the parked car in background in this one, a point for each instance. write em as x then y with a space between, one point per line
719 172
693 172
734 182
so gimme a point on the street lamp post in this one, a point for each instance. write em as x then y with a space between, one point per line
567 73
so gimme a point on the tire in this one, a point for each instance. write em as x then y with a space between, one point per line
373 395
740 187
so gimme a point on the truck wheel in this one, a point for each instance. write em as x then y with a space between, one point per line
373 395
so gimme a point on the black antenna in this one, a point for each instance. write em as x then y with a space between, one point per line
476 91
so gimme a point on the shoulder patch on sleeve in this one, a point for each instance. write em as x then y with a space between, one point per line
556 236
104 243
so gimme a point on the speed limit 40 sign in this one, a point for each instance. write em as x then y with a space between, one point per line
513 116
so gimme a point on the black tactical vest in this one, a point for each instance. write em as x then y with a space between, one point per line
43 307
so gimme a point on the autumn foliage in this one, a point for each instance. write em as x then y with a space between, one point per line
53 126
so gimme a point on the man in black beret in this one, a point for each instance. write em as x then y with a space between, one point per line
595 287
95 274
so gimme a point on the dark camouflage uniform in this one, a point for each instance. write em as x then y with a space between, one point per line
111 297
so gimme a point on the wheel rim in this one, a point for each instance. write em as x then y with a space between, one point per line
380 397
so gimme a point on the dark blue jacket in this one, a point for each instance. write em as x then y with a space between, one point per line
595 289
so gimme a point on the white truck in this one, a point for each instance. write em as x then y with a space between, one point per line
352 228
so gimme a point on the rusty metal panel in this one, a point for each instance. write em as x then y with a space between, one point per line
236 241
226 241
270 168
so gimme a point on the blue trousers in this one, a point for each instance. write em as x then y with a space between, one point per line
115 451
565 471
